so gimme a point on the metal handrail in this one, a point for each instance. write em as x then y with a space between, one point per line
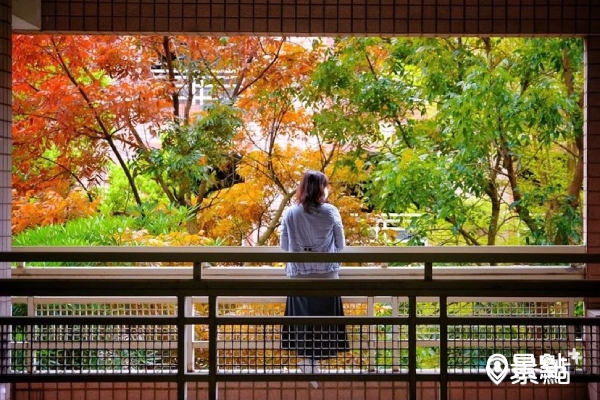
352 254
517 272
199 255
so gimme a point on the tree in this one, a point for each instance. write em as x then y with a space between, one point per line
230 67
260 80
78 102
189 163
501 104
279 141
454 130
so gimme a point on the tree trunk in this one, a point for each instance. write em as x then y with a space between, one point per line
192 222
171 74
492 192
104 131
127 172
274 222
523 212
576 184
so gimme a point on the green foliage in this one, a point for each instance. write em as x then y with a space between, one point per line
498 141
92 231
162 220
216 242
359 82
19 310
118 197
191 154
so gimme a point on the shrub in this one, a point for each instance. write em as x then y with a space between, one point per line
92 231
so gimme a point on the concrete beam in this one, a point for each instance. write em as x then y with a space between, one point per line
26 15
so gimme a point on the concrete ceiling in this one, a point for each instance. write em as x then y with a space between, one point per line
26 15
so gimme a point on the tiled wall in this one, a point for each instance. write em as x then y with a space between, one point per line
326 17
302 391
592 153
5 159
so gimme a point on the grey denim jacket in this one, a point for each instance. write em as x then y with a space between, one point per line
318 231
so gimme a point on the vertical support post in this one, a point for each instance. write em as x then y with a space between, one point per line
197 270
395 336
6 16
571 307
428 271
189 336
443 348
571 328
373 339
181 349
212 347
31 353
412 348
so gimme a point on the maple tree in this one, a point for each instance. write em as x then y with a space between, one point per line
255 85
280 139
49 208
78 103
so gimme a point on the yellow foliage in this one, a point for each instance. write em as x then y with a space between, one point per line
239 213
233 212
144 238
357 223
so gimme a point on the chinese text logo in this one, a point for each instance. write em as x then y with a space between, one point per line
550 370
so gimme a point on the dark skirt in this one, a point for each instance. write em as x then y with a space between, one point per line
314 341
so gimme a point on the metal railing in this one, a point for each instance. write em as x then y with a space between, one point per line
198 327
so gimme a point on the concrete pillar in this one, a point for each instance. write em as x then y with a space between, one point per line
5 162
592 192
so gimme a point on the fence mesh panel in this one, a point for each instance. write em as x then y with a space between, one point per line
92 348
377 346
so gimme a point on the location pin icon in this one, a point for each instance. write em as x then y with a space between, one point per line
497 368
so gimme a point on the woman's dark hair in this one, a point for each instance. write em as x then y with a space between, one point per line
311 191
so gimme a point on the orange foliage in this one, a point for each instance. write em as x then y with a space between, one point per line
48 208
76 100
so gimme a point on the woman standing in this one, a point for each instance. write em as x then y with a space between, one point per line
313 225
